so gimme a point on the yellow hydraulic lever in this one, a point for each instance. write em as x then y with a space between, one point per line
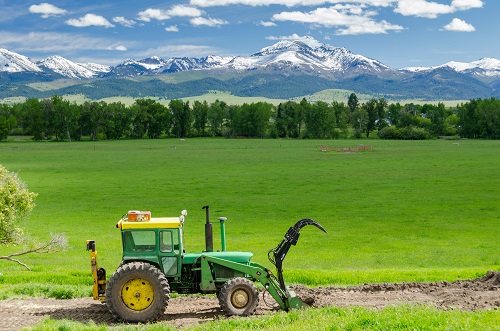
99 288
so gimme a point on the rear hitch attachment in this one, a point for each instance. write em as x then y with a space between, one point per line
278 254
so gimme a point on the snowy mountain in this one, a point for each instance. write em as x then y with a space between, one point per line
12 62
131 67
315 66
308 53
70 69
98 69
214 61
156 65
177 64
486 67
305 54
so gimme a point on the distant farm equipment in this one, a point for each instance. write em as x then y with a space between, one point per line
351 149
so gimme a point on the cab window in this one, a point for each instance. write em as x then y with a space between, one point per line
166 241
140 241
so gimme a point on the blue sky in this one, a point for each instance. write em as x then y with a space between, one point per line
398 33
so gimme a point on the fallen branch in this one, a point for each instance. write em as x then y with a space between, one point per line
57 244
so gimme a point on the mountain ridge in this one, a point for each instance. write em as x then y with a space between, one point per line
306 59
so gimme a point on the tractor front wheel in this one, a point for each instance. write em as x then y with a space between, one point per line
238 296
137 292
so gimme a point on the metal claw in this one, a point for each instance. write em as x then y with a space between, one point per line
307 221
278 254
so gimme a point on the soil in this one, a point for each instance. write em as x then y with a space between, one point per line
477 294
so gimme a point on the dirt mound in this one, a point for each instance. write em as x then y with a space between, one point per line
474 294
477 294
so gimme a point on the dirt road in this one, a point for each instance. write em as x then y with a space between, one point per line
476 294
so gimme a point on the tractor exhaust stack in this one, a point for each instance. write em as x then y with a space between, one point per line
209 238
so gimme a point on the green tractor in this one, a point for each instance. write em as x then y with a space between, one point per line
155 264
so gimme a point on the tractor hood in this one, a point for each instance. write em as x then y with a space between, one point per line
240 257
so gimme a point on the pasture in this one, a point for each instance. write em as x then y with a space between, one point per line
403 211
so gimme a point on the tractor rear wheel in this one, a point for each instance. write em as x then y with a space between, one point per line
137 292
239 296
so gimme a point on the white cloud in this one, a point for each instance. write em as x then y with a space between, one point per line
288 3
198 21
120 48
369 27
429 9
151 13
123 21
51 42
180 51
459 25
90 20
466 4
184 11
422 8
172 28
349 20
176 11
47 10
293 36
267 24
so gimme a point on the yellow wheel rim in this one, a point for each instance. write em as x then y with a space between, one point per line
137 294
239 299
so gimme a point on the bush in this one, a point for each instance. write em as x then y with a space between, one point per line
390 132
15 202
407 133
412 133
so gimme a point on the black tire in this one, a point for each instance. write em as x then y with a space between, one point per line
239 296
137 292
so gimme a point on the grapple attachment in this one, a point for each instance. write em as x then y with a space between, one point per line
278 254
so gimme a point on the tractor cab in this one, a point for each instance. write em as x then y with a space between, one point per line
158 241
155 240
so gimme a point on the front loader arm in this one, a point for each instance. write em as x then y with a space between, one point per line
253 271
275 286
278 254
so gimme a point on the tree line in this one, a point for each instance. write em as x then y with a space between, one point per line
61 120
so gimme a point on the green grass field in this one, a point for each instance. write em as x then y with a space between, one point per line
404 211
330 318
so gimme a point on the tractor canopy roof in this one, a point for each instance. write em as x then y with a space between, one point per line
153 223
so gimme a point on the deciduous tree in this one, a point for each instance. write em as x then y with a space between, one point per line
16 201
353 104
200 115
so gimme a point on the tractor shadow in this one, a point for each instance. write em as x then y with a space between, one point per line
94 312
98 313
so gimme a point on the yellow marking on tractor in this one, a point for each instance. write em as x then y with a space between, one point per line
137 294
154 223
